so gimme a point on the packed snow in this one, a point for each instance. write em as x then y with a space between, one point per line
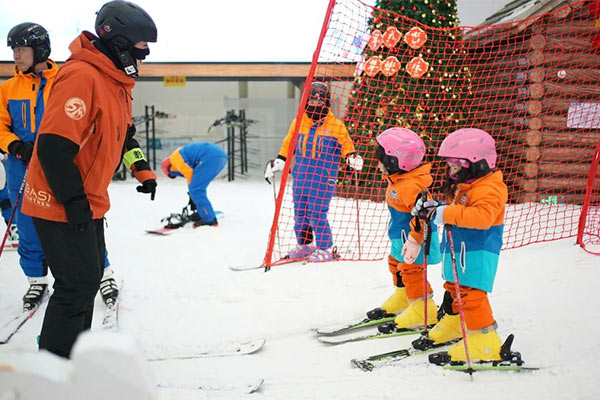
180 297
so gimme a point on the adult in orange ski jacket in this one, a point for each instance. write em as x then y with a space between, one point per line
78 149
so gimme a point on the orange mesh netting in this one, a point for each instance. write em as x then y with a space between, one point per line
532 84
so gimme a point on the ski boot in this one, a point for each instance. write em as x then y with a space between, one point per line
484 346
394 305
413 316
299 252
320 255
12 242
34 295
444 332
198 221
108 287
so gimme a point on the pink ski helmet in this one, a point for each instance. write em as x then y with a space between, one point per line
404 145
475 145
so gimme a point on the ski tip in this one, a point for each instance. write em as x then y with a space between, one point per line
254 387
362 365
239 268
254 345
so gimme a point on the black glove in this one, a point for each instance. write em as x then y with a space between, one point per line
79 213
22 150
148 186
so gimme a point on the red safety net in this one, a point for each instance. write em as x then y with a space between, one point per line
532 84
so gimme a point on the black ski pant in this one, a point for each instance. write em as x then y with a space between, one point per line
76 260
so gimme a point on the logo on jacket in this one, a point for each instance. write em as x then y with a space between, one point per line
75 108
393 194
39 198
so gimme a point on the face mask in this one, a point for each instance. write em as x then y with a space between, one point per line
316 113
139 54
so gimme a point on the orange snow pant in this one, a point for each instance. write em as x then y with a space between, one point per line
410 276
393 267
477 309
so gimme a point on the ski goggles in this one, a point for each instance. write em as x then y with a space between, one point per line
458 161
319 91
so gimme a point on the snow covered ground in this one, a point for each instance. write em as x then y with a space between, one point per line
179 296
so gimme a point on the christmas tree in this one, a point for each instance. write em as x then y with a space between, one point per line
413 77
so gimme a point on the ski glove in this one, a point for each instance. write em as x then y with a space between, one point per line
79 213
273 166
424 209
22 150
410 250
355 161
148 186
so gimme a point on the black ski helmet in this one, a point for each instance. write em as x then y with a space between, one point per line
32 35
120 25
320 90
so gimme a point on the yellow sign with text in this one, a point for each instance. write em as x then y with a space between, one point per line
174 81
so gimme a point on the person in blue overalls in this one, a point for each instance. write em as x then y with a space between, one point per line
22 100
199 163
321 140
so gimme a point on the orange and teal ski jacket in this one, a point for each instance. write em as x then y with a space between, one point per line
400 196
477 213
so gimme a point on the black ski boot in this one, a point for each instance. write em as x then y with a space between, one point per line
37 289
108 288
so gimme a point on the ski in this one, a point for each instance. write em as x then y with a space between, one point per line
510 361
365 323
237 349
245 267
392 357
336 340
253 267
14 324
485 367
11 246
242 388
110 319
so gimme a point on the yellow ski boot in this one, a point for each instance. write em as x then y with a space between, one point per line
394 305
397 302
484 345
413 316
446 330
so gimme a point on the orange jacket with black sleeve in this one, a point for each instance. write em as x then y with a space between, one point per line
22 100
401 195
90 108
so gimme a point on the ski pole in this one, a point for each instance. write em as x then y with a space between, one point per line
14 210
357 213
277 239
426 247
275 200
461 311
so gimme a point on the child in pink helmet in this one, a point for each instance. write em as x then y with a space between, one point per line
476 196
400 155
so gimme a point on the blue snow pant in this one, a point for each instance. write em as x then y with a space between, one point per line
31 255
203 175
5 204
310 215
